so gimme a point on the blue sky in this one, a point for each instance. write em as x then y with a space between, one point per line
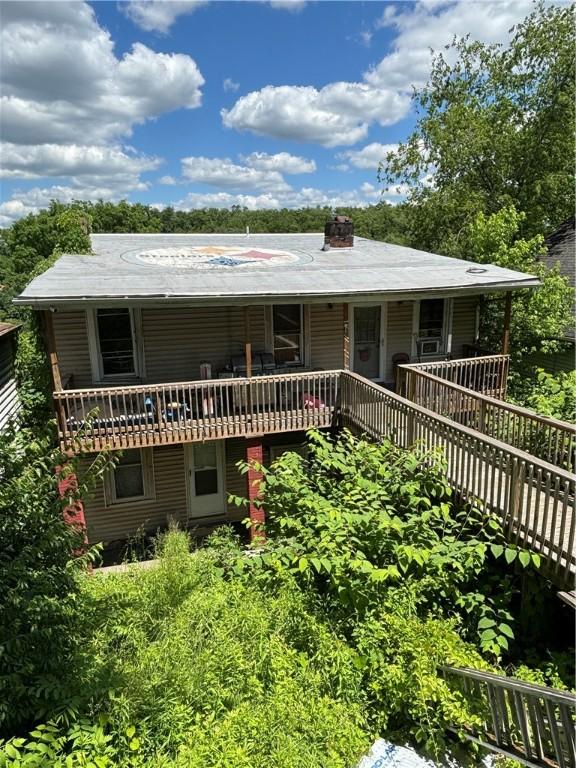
192 104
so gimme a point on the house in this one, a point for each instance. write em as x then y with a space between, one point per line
9 402
191 352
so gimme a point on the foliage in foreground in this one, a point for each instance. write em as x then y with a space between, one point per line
39 574
181 668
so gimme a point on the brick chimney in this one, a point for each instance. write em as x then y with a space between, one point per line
339 232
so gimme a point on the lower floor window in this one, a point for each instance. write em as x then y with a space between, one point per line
132 478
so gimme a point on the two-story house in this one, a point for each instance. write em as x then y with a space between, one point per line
191 352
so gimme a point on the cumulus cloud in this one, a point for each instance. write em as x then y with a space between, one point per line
432 25
339 113
288 5
158 15
224 173
75 160
61 78
230 85
369 157
283 162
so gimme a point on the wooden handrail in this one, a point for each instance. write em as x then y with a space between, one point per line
541 436
530 723
160 414
533 498
487 374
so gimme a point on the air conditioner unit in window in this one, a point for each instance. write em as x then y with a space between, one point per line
429 347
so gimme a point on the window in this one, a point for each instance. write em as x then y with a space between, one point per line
287 334
205 469
431 319
133 478
116 342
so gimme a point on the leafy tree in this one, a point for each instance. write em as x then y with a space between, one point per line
548 394
496 127
39 601
539 317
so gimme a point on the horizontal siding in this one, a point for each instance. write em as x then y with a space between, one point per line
398 333
176 341
121 521
327 336
70 331
463 324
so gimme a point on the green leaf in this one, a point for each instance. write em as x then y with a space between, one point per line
536 559
487 635
486 622
524 558
135 744
506 629
496 549
130 731
510 555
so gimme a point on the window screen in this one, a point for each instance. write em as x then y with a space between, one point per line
129 475
116 342
287 325
431 318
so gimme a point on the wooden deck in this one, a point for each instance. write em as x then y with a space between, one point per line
534 498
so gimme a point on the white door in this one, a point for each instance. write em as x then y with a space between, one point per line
205 478
367 340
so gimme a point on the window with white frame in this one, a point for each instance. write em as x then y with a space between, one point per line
133 477
115 341
288 334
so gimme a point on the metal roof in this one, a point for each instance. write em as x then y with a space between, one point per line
139 269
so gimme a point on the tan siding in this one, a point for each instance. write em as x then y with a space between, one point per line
176 341
119 521
463 324
398 333
72 347
327 336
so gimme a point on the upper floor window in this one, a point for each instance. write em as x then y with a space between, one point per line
116 342
431 319
288 336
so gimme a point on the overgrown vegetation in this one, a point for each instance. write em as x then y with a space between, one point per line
299 652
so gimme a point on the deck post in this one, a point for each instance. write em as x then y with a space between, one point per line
507 317
247 342
346 339
50 340
254 457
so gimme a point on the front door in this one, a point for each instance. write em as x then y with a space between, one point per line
367 335
205 478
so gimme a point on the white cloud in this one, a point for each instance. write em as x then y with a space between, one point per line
433 25
339 113
77 161
288 5
61 79
230 85
369 190
223 173
283 162
158 15
169 181
369 157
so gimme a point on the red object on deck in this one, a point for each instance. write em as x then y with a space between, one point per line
255 453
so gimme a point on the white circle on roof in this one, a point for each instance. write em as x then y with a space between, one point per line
214 257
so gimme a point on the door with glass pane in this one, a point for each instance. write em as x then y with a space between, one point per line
367 337
205 477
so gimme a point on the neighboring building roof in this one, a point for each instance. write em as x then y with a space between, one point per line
561 250
204 268
6 328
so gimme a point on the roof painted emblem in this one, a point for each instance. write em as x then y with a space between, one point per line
213 257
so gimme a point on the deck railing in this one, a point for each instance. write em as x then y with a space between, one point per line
533 498
543 437
530 723
487 374
162 414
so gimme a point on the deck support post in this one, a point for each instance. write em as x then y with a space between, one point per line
247 342
346 339
254 459
50 341
507 317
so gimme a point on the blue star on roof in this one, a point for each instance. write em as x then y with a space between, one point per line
227 261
